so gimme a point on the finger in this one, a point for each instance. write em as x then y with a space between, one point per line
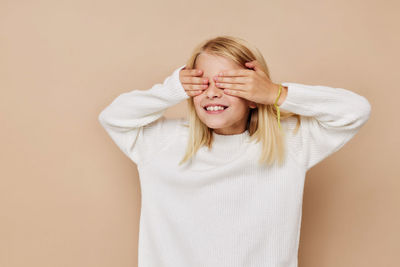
238 79
195 87
193 93
194 80
233 86
191 72
235 72
237 93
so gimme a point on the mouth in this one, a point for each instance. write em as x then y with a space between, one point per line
216 111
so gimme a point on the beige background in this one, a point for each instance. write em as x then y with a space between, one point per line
69 197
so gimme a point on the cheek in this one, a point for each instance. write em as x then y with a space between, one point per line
196 99
196 102
239 107
241 104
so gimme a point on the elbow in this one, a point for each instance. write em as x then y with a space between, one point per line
101 119
358 113
366 108
363 110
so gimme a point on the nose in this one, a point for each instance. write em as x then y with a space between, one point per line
212 90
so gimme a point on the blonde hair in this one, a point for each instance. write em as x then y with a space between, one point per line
262 122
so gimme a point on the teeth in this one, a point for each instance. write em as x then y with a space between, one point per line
213 108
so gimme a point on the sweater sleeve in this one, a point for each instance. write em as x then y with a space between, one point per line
330 117
134 120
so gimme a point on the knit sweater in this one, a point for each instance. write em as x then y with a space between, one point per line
223 208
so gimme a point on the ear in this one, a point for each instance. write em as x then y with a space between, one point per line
252 104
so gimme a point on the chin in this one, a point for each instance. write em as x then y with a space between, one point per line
215 124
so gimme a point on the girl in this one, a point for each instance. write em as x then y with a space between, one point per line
225 187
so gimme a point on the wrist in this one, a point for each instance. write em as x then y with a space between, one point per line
282 96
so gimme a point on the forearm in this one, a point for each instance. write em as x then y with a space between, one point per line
330 117
138 107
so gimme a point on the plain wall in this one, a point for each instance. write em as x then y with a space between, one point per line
69 196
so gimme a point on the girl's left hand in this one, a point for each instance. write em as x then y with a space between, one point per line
253 85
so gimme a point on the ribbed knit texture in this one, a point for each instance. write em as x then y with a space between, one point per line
223 209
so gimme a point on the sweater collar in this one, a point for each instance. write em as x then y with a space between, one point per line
232 139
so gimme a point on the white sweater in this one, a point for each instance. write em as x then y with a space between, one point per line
225 210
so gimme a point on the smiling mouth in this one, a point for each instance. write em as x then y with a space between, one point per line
215 111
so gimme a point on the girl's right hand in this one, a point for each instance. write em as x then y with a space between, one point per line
192 84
